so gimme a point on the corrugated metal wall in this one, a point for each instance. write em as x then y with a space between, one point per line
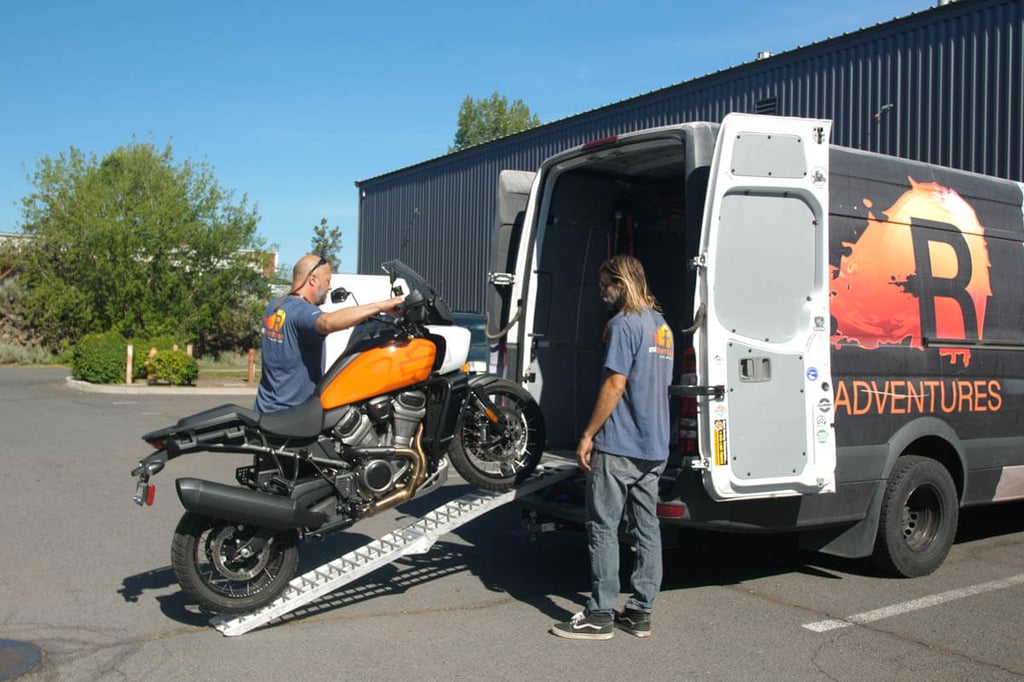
943 85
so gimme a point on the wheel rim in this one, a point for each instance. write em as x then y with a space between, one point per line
922 518
226 567
498 455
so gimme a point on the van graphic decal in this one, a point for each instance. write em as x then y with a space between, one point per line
919 269
918 397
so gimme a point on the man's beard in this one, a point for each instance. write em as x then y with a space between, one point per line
613 297
321 298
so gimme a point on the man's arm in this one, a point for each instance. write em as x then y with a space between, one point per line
344 318
608 397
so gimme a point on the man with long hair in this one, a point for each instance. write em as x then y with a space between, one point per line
623 449
293 332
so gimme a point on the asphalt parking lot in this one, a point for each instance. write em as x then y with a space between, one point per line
85 579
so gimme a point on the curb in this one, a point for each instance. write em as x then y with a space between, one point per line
116 389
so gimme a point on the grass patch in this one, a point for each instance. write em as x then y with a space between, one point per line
228 366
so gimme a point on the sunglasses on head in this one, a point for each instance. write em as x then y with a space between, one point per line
322 261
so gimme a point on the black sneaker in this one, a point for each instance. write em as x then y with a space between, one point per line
634 621
586 625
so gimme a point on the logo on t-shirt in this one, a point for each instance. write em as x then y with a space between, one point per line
662 341
273 324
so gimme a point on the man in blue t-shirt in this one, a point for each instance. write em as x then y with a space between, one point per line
293 332
623 449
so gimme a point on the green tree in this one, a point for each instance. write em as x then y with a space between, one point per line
134 244
283 275
326 241
483 120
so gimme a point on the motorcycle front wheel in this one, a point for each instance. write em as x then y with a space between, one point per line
231 567
499 456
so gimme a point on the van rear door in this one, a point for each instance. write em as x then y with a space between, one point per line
513 194
767 416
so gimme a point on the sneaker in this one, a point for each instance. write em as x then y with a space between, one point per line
634 621
586 625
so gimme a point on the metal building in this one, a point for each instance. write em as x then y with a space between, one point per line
943 85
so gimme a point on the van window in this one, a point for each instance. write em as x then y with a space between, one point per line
764 265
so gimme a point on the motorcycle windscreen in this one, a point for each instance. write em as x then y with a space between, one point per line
770 430
380 370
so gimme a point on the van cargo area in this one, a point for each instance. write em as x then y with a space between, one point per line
635 201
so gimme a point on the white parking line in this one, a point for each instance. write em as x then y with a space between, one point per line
914 605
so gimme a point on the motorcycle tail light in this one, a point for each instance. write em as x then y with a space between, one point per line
157 444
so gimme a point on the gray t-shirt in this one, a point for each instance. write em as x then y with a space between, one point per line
293 354
640 346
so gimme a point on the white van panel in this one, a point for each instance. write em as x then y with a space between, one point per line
363 289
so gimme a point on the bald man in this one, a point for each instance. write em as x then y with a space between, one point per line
293 332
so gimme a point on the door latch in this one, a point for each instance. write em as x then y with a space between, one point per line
755 370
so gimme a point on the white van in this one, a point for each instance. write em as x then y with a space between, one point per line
849 326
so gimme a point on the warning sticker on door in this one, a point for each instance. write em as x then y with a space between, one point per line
721 448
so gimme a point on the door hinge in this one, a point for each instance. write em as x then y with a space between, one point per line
697 262
501 279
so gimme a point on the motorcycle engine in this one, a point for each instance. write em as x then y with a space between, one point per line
383 421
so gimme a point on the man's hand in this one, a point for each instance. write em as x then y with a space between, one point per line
391 305
583 450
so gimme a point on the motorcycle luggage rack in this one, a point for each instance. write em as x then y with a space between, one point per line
416 538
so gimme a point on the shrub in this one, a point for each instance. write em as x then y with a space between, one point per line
99 358
173 366
141 347
18 354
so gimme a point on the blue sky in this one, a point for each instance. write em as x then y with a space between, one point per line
291 103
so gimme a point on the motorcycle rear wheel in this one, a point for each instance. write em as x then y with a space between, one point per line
499 459
214 568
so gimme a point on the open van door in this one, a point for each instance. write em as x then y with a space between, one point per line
513 194
763 278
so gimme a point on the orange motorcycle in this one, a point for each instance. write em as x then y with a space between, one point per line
380 429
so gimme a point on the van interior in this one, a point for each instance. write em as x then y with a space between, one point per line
642 199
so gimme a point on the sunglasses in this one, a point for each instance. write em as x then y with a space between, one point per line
322 261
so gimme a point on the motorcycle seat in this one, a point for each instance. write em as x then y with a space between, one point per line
302 421
221 424
219 416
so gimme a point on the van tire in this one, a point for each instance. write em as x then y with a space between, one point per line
918 518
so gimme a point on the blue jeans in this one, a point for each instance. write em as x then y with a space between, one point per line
616 484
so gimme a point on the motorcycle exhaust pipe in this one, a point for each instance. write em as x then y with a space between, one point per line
419 473
243 505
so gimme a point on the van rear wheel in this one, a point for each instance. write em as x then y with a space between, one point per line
918 520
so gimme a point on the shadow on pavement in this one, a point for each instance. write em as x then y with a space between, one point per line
554 568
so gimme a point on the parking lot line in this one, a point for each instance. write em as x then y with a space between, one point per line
913 605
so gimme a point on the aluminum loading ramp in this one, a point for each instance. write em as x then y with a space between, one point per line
416 538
